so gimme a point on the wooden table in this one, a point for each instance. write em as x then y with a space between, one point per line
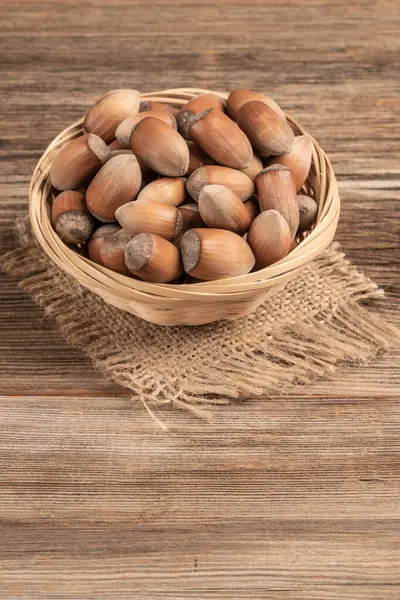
286 498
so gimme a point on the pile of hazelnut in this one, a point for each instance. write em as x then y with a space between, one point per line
207 191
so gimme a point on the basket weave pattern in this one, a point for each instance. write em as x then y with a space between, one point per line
186 304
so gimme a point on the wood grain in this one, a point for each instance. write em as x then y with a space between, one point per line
284 498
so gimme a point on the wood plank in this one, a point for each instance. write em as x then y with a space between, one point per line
89 499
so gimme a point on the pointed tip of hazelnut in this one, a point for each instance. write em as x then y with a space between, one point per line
119 91
305 139
119 213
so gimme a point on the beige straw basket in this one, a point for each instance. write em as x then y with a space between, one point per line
186 304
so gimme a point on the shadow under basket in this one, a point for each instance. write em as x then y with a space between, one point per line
196 303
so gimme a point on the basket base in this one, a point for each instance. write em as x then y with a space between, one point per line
192 314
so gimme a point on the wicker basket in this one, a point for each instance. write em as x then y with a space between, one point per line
186 304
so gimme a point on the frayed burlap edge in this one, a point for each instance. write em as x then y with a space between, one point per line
319 323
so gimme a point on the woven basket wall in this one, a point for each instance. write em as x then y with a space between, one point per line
186 304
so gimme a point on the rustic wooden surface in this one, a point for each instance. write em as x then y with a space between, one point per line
286 498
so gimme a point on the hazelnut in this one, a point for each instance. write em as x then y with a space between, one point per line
71 218
152 258
125 128
160 147
168 190
267 131
235 180
108 112
308 210
77 160
253 170
210 254
150 217
221 208
276 190
240 96
219 137
269 237
117 183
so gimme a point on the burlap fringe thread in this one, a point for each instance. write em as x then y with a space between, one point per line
302 333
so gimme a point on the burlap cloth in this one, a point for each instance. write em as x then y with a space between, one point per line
319 320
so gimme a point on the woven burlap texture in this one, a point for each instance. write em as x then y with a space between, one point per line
301 333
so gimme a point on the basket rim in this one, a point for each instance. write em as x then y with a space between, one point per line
106 282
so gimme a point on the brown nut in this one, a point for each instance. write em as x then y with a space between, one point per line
253 170
276 191
252 207
267 131
150 217
168 190
235 180
219 137
298 160
191 217
77 160
203 102
221 208
308 210
71 218
108 112
269 237
115 145
160 147
152 258
210 254
112 253
240 96
147 106
125 128
117 183
197 158
97 240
